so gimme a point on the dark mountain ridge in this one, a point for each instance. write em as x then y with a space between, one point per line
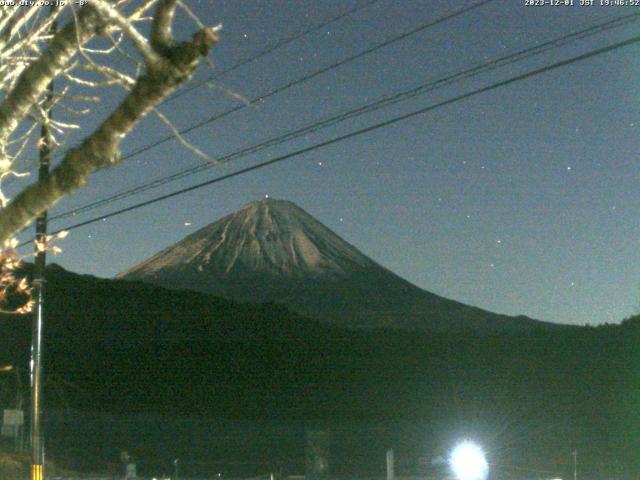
272 250
126 347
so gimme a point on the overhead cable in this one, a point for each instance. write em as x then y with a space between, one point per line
367 108
356 133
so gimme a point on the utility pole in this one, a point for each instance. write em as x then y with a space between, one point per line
390 465
575 464
37 437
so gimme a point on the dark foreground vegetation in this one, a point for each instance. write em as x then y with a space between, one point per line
126 348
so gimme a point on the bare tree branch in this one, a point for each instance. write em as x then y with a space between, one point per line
113 16
185 143
161 36
176 64
34 79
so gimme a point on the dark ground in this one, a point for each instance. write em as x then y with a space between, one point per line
181 370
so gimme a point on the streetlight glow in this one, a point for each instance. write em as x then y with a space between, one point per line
468 462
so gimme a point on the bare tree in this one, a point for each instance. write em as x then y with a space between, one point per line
104 44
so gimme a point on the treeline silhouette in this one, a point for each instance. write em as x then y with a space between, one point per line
129 348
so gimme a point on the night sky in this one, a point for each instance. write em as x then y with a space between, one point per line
522 200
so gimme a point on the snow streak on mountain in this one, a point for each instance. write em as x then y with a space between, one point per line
272 250
273 237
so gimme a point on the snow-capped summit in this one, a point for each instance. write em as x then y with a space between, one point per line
272 250
270 236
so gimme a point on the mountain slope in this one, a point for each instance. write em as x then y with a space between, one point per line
272 250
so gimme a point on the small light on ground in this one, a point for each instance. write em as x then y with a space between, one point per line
468 462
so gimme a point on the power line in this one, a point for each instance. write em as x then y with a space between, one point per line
383 102
279 44
361 131
307 77
490 65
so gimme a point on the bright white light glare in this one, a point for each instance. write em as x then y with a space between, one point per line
468 462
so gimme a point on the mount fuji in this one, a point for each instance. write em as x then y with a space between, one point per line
273 251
